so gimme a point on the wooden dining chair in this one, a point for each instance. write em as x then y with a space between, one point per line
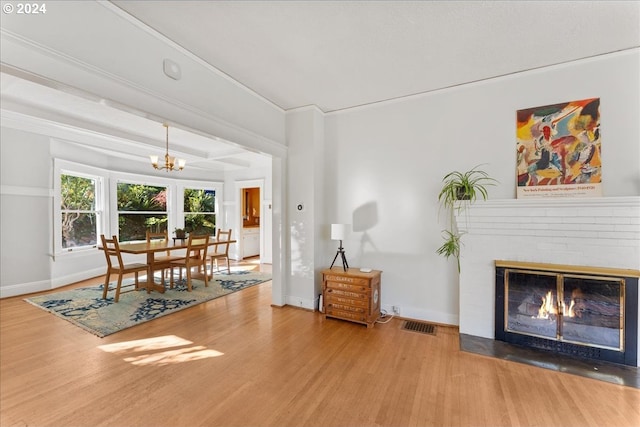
196 256
115 265
221 251
163 263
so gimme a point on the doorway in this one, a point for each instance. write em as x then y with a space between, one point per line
251 220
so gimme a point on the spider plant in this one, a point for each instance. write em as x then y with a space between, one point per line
466 186
451 246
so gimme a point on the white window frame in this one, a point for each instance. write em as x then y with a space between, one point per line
218 187
107 200
64 167
126 178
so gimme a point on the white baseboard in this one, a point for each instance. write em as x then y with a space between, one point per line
24 288
424 315
47 285
77 277
308 304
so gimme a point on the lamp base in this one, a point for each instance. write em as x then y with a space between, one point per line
340 252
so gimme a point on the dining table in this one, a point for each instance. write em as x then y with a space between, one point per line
151 248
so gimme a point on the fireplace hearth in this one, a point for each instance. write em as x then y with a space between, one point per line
585 312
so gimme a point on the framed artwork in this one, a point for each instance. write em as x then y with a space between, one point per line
559 150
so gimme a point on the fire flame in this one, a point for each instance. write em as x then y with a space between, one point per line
549 307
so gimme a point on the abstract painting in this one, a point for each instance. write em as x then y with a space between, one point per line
559 150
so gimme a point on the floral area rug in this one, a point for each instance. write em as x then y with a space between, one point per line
84 307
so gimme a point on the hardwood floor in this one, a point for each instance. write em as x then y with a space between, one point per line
237 361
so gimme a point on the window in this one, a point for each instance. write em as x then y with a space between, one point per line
79 211
200 211
140 208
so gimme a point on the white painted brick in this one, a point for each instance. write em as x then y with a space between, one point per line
545 246
584 220
618 235
614 220
627 229
596 211
601 232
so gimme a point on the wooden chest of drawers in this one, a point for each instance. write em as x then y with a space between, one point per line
351 295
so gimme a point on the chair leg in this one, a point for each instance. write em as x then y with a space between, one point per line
118 287
189 279
106 285
228 266
206 277
136 280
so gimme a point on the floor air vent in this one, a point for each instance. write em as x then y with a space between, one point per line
421 327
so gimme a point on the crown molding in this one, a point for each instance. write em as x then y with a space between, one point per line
273 147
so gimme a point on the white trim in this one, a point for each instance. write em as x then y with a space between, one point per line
309 304
554 202
455 87
311 107
77 277
24 288
100 176
218 187
15 190
277 148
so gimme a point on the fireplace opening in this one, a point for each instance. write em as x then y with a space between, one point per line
590 314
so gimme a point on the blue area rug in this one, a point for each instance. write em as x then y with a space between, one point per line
84 307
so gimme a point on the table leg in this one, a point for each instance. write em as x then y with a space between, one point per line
150 284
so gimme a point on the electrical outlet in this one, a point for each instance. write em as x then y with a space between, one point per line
396 309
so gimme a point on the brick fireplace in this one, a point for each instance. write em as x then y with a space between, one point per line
585 233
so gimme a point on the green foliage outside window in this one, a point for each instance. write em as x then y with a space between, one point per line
77 206
199 209
141 208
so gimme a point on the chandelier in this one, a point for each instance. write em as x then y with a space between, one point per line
170 163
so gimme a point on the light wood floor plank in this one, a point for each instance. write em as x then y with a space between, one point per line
278 367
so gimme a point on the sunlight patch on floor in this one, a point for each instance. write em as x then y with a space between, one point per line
173 356
159 358
242 268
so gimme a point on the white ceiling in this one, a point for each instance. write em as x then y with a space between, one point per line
107 128
341 54
336 55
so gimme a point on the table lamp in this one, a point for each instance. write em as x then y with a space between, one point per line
339 232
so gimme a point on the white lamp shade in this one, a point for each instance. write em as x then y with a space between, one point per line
339 231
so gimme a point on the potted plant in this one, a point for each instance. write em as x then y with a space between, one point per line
180 233
451 245
460 186
464 186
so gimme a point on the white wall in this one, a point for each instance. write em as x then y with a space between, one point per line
305 139
385 164
25 249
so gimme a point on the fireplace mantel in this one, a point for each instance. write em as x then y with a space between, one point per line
591 232
561 268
